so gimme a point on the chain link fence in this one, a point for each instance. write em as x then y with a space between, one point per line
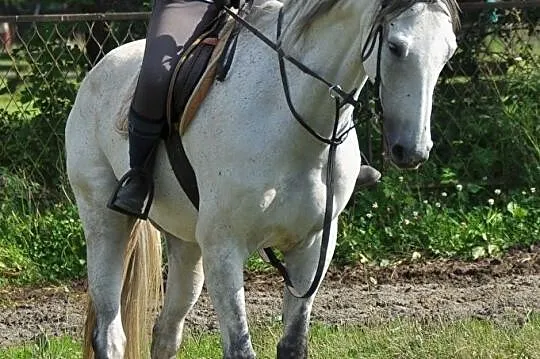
43 60
485 116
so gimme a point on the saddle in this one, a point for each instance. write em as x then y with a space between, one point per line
201 62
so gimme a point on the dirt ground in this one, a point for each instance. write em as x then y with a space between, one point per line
505 289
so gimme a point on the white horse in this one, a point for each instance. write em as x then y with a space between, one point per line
261 176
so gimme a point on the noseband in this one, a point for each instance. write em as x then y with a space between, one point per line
342 99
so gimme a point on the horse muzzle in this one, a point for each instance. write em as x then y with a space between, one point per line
407 148
408 157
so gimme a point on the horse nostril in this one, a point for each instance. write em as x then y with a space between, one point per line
395 49
398 47
398 152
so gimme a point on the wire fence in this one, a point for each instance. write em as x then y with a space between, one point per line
485 116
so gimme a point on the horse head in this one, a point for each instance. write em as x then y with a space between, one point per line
415 39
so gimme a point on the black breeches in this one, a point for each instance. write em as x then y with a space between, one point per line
171 25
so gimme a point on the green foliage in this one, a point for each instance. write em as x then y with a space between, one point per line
491 46
40 234
485 120
400 221
32 140
491 130
13 261
37 243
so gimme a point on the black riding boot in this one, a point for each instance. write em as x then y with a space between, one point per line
367 177
135 190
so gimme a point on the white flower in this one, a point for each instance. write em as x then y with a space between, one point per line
425 201
497 192
444 194
533 190
459 187
400 178
524 193
415 214
491 201
438 205
406 221
375 205
369 215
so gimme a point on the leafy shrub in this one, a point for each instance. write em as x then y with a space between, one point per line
40 234
468 221
38 243
491 129
15 265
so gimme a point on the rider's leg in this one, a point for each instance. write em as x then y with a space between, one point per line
165 37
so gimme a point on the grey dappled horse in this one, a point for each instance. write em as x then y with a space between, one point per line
262 177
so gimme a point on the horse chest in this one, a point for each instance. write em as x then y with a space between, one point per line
280 215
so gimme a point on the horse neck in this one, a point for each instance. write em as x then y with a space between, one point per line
331 46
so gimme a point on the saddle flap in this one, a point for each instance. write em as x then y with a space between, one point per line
194 75
205 84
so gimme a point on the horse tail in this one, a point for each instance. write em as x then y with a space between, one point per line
142 291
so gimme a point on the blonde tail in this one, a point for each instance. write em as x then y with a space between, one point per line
142 291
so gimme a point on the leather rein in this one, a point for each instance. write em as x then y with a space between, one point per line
342 99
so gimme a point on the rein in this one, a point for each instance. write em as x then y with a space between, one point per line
342 98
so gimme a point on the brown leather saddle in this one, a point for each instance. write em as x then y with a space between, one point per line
201 62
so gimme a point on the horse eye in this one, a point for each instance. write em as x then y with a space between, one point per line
395 49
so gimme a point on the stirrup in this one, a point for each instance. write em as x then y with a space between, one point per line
147 179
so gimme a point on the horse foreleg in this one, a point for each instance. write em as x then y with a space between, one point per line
223 261
301 264
184 284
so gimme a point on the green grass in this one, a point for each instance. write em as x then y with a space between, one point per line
398 339
45 348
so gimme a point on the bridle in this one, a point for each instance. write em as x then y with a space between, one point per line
341 99
335 90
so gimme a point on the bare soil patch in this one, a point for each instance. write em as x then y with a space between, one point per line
503 290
